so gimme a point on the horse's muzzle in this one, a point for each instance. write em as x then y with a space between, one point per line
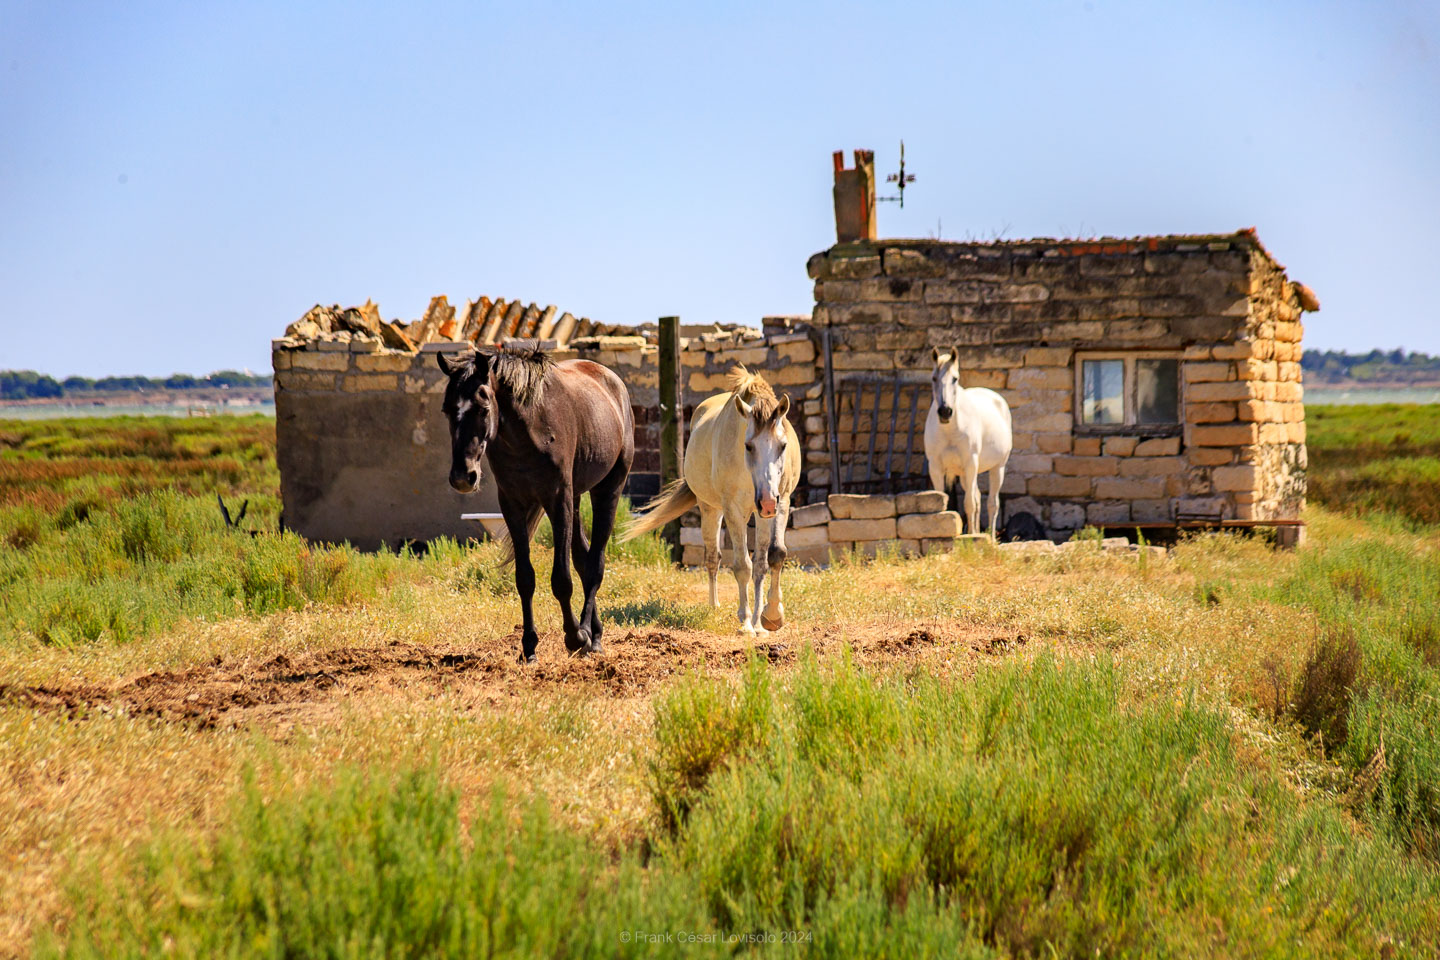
945 413
465 482
767 507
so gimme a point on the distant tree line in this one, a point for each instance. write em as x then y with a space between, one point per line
1378 366
27 384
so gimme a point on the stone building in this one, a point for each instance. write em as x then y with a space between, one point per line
1153 381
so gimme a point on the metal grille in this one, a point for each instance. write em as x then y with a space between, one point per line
878 442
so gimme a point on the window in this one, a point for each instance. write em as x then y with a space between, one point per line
1135 392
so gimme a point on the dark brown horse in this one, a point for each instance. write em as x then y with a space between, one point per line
550 431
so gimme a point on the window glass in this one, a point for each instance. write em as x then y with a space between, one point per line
1104 389
1157 391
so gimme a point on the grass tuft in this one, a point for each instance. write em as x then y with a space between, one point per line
701 727
1327 687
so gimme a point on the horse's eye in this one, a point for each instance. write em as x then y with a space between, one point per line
749 448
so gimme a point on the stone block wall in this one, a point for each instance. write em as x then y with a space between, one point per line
907 524
1021 313
911 524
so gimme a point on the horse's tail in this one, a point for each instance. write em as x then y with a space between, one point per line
532 520
674 500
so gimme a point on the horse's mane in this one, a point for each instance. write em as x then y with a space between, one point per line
752 388
523 373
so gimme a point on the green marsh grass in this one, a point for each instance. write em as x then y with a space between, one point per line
109 531
1035 811
1381 458
1372 680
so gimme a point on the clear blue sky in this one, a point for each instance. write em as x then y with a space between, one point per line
180 181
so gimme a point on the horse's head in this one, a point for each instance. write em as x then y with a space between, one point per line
474 417
945 382
765 439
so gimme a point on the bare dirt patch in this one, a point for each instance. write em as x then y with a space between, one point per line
240 690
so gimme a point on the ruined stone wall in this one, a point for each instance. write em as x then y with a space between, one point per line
364 450
1021 312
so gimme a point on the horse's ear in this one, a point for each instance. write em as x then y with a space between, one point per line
444 362
955 354
784 407
742 406
935 352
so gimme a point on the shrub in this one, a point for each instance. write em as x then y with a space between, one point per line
648 549
375 867
701 727
1368 682
1208 594
77 510
23 527
158 528
1038 813
1422 634
485 570
1071 822
1326 687
1405 798
660 613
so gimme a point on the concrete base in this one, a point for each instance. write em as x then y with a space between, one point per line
1290 538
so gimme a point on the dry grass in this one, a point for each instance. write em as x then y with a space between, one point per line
104 743
88 774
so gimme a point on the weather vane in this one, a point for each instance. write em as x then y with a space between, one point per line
899 179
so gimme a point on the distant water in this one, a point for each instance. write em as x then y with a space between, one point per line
56 411
1354 395
1316 395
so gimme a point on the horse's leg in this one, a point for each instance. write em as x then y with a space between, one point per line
517 524
710 530
580 559
937 477
972 493
605 503
736 519
764 536
774 616
997 477
562 519
579 546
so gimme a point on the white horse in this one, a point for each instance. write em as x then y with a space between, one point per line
967 431
742 458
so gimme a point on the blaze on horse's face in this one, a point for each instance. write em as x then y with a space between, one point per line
765 440
945 382
470 408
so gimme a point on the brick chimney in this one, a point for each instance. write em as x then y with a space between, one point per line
855 197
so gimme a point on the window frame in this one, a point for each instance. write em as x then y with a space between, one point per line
1131 382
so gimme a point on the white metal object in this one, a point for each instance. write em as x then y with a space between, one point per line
494 523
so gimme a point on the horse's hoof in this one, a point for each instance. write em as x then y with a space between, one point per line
774 623
581 643
526 657
746 630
